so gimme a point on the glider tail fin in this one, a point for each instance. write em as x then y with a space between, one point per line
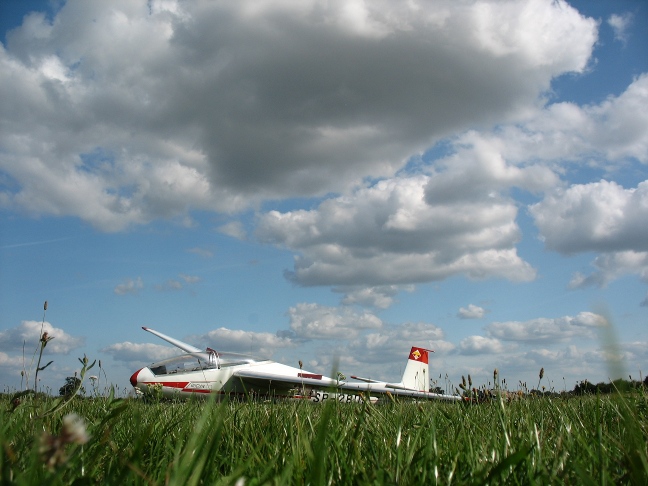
416 375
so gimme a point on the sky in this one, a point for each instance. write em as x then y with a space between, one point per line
326 181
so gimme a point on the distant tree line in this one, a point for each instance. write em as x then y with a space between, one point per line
586 388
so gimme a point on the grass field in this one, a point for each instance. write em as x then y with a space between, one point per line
536 440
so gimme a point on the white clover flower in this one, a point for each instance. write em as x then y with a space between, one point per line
52 447
74 429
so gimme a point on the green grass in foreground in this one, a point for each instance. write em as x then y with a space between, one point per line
581 440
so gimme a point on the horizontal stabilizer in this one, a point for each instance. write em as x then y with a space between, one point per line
423 395
366 380
399 387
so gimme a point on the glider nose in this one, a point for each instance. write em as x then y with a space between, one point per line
133 378
142 377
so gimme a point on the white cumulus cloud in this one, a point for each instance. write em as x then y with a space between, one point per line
387 234
315 321
28 334
380 297
120 113
600 216
392 343
130 286
259 344
144 353
610 266
235 229
471 312
620 24
548 330
480 345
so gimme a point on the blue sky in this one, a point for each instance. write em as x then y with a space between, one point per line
326 181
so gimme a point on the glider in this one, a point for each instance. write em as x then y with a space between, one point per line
201 372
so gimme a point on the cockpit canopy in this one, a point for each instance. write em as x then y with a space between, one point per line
187 363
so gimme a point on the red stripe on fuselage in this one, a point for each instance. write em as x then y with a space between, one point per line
170 384
181 385
309 375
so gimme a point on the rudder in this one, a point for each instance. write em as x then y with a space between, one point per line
416 375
